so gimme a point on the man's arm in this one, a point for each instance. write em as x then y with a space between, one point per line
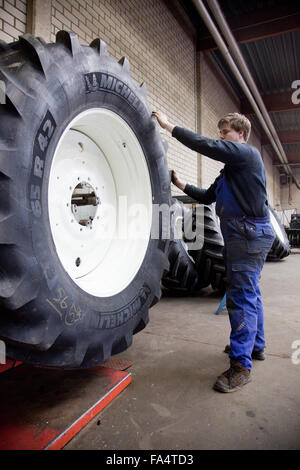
221 150
204 196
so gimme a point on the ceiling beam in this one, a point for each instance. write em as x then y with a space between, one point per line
259 24
274 103
293 157
285 137
295 165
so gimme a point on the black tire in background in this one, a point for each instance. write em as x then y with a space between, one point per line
182 277
281 246
209 259
46 319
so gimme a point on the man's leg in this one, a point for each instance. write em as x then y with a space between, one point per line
259 344
241 297
244 261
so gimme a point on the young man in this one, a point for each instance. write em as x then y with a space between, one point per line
241 203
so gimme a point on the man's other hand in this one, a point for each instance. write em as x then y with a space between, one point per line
176 181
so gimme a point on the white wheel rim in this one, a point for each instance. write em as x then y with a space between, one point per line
276 227
100 149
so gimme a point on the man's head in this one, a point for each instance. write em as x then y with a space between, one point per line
235 127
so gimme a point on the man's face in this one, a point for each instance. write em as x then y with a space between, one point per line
227 133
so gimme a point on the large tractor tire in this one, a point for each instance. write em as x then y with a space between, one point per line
182 277
77 145
281 246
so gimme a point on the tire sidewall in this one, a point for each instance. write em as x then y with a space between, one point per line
58 292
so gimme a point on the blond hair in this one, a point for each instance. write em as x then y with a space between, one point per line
238 122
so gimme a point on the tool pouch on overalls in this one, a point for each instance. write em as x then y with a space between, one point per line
245 227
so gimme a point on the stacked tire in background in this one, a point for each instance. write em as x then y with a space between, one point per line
281 247
182 277
193 268
207 264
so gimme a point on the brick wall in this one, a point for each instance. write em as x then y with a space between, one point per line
255 139
294 203
12 19
276 186
272 175
269 176
160 52
217 99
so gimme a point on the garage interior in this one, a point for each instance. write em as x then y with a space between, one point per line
170 403
199 61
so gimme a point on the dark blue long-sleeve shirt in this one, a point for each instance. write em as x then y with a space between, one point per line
240 189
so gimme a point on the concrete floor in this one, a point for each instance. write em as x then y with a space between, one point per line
170 403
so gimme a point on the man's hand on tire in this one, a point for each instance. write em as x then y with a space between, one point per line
163 121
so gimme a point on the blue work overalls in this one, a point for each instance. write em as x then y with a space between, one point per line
247 242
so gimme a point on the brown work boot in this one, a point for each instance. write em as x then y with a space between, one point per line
233 379
258 355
